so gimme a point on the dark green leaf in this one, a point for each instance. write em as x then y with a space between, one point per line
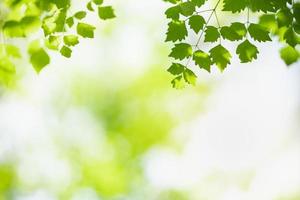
202 59
196 23
220 56
211 34
181 51
247 51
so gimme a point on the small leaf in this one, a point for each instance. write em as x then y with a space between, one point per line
181 51
178 82
176 31
39 59
85 30
196 23
236 31
176 68
189 76
259 33
70 21
89 6
106 12
198 3
53 42
247 51
187 8
98 2
211 34
202 59
220 56
71 40
173 12
80 15
291 37
289 54
284 17
66 52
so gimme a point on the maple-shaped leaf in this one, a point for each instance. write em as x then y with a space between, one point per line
202 59
173 12
187 8
262 5
189 76
196 23
176 68
247 51
235 5
220 56
199 3
259 33
176 31
178 82
181 51
211 34
236 31
269 22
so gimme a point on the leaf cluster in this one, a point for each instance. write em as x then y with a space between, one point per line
61 28
277 18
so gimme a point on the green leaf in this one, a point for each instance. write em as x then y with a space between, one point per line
71 40
189 76
176 31
247 51
284 17
30 24
173 12
290 55
269 22
291 37
178 82
296 12
8 50
7 71
196 23
12 51
187 8
13 29
220 56
236 31
106 12
53 42
211 34
98 2
176 68
199 3
259 33
181 51
235 5
85 30
70 21
80 15
66 51
39 59
89 6
202 59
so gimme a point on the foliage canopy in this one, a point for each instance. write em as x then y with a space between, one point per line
191 23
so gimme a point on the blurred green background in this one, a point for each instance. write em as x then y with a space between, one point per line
107 124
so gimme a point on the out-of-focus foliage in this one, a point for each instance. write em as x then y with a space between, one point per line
62 29
130 120
279 18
